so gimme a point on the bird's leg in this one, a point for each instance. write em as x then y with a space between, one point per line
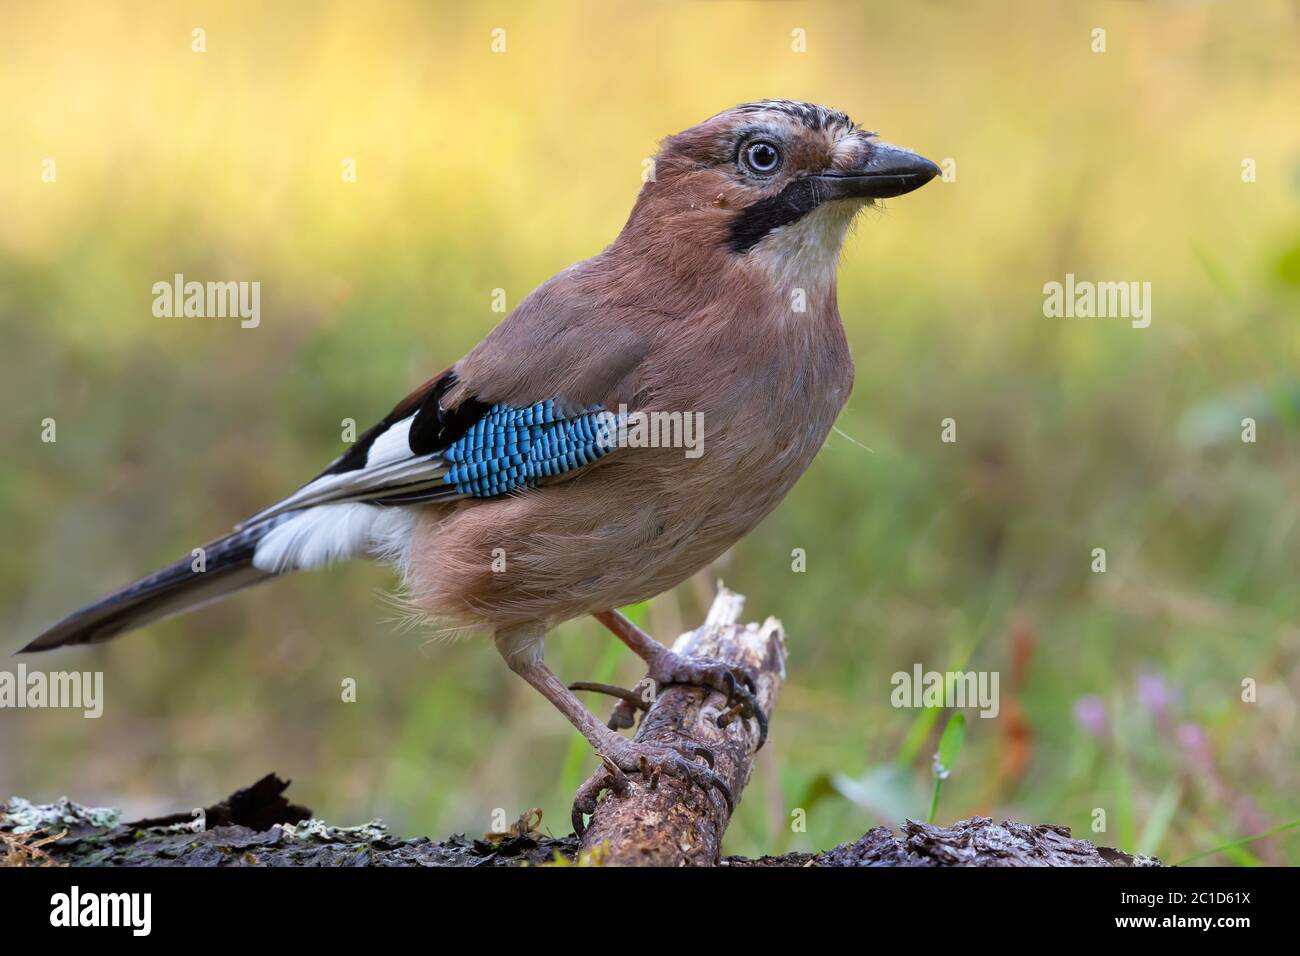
640 697
666 666
620 756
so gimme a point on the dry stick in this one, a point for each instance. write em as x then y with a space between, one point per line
673 822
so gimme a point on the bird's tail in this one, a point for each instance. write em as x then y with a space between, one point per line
221 567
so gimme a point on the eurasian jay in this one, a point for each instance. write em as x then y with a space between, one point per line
505 489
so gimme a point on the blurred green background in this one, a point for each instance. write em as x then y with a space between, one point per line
478 170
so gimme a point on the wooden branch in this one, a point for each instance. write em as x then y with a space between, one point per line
676 823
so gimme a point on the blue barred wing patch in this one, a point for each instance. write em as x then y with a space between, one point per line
509 448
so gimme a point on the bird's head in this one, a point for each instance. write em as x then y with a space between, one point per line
773 184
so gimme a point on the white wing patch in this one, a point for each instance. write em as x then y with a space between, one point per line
390 468
327 533
393 445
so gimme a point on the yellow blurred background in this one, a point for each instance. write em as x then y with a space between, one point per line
478 170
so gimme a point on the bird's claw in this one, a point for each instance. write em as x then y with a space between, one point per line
623 715
735 683
650 762
629 702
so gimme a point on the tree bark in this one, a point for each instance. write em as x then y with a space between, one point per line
67 833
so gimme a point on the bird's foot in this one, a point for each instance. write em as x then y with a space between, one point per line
733 682
668 667
650 761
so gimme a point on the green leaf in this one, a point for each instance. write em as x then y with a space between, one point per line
885 790
950 744
954 735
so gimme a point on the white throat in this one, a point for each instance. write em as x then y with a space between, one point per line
805 253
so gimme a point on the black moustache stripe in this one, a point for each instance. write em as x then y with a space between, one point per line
796 200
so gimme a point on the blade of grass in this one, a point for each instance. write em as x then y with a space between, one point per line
1123 783
1225 847
1162 814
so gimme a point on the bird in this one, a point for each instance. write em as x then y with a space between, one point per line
509 492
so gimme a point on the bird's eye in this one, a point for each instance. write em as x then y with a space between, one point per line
760 157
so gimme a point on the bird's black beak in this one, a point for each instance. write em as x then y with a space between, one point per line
887 171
